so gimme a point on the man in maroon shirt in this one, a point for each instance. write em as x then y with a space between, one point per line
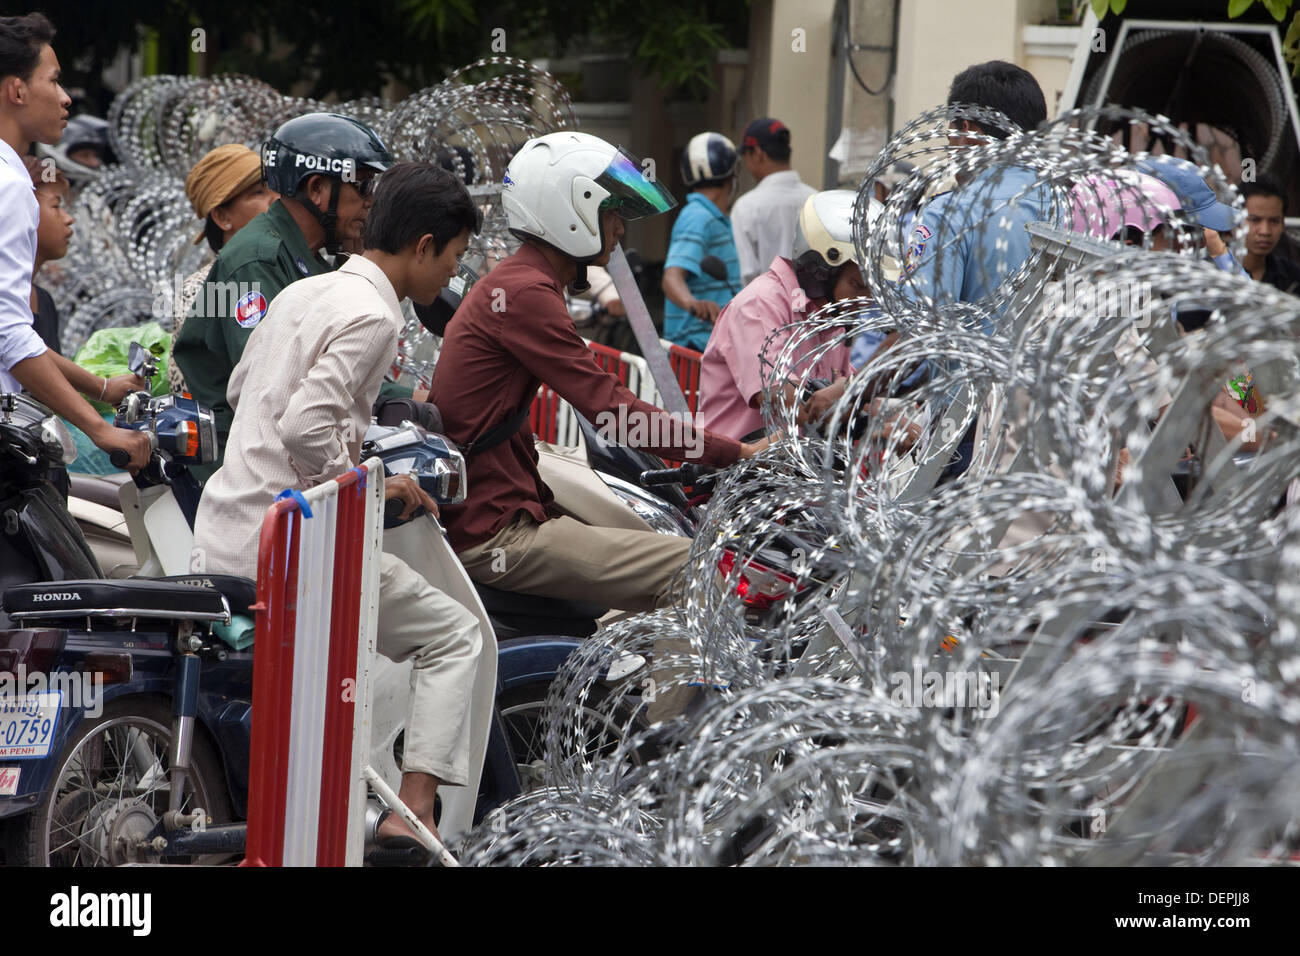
566 195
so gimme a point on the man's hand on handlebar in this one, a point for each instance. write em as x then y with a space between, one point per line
752 449
124 441
815 409
705 309
120 386
407 490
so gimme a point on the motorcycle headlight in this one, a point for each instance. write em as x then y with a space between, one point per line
451 480
58 440
208 442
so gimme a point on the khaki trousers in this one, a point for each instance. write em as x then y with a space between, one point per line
615 567
443 641
564 558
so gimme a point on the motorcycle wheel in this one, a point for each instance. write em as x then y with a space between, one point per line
523 712
112 787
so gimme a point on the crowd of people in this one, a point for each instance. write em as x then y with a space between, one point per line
323 235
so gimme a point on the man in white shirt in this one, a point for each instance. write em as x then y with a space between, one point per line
34 108
302 394
763 220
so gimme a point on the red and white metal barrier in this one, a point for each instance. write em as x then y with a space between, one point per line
553 420
317 611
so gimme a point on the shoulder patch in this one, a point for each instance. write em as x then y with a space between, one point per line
916 248
250 309
302 266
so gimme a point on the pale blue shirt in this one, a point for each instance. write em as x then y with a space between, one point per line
19 217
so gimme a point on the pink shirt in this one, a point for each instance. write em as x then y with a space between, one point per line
731 374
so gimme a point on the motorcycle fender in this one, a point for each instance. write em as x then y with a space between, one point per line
528 660
169 533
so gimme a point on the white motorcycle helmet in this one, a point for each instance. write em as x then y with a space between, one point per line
557 184
823 238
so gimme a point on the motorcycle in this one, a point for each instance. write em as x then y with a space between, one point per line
132 759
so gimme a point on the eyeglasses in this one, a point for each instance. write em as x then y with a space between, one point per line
366 187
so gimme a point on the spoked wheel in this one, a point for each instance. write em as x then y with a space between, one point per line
111 789
523 712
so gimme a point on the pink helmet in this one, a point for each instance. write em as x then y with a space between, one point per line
1106 204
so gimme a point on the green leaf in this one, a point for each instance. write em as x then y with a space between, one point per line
1237 7
1277 8
1100 7
1293 32
1117 6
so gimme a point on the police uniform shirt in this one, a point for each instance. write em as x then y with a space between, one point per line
967 242
251 270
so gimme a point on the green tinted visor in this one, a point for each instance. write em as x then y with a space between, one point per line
633 192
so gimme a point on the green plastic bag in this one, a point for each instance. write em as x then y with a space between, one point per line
105 354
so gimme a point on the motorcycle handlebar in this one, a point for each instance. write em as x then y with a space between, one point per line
120 457
686 474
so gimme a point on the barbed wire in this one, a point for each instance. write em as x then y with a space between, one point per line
133 243
1080 648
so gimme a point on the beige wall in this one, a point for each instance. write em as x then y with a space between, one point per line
792 85
939 38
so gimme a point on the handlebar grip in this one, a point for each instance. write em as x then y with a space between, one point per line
119 458
684 474
393 508
662 476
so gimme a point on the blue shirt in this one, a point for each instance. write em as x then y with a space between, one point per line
968 241
701 230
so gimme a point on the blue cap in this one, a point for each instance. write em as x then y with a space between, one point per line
1198 199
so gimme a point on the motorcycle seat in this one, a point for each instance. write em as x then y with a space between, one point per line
130 598
513 604
240 593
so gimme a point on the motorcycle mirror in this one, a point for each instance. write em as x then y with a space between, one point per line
437 314
136 358
141 361
714 268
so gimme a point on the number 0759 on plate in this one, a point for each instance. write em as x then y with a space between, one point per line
27 723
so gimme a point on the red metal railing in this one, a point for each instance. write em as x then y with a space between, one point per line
277 654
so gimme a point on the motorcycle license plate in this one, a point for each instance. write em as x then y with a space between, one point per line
27 723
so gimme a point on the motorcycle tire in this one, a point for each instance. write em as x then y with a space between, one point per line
95 831
523 713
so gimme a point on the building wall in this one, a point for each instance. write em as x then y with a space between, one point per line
939 38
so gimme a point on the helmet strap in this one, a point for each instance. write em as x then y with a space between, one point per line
580 284
328 219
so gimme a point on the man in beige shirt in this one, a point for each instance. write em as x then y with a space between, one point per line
302 395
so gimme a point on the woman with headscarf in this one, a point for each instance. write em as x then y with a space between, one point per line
227 191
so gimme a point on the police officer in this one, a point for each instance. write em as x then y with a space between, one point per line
323 166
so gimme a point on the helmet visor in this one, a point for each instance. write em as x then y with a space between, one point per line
633 193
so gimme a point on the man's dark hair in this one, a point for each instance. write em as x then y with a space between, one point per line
1265 185
1004 87
21 40
416 199
778 149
